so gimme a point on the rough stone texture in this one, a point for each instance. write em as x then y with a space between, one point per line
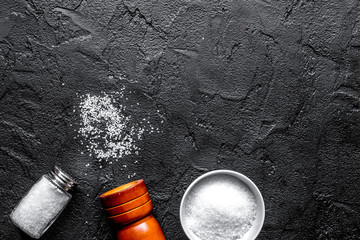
267 88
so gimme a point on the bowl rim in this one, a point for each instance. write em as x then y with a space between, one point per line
249 183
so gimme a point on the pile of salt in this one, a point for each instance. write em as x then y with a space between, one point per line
220 208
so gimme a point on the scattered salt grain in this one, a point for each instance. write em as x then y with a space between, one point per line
110 133
220 208
107 130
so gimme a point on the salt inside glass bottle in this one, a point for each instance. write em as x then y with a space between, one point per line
44 202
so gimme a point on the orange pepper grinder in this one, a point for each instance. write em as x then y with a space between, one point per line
129 207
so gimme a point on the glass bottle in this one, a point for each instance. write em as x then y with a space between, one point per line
43 203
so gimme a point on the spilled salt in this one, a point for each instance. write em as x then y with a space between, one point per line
220 208
108 131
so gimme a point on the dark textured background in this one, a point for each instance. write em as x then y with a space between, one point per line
267 88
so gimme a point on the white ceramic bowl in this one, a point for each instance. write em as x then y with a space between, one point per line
255 229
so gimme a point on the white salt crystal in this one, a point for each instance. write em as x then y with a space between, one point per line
109 130
39 208
220 208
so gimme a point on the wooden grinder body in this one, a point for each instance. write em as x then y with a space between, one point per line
146 228
129 207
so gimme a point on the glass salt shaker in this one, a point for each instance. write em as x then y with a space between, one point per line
44 202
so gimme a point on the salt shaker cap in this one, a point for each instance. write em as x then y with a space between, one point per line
62 179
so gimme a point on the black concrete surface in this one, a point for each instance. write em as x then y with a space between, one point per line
267 88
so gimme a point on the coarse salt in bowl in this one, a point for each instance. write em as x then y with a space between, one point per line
222 205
